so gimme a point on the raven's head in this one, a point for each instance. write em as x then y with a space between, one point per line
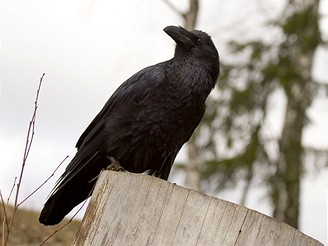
197 45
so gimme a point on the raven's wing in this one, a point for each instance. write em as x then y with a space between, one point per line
134 89
76 183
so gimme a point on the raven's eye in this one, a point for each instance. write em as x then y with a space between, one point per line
199 41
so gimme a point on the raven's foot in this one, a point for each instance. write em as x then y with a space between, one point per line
115 165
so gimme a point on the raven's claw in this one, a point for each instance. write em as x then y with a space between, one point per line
115 165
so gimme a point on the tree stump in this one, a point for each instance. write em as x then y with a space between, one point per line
137 209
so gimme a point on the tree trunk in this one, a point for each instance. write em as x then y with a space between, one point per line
190 17
136 209
193 165
193 161
289 166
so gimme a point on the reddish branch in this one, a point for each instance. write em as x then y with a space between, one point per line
29 141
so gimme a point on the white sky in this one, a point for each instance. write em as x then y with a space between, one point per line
87 48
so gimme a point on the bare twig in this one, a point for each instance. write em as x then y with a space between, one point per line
44 182
70 220
29 141
60 228
5 217
11 191
173 7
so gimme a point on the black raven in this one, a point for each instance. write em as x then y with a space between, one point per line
144 123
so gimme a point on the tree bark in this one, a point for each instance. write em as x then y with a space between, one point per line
289 166
190 17
193 165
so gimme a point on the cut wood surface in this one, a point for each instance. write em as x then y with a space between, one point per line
137 209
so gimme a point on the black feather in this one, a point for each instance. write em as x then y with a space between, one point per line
144 123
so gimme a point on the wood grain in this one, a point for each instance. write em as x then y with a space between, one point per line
136 209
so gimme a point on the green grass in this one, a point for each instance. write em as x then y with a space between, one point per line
27 230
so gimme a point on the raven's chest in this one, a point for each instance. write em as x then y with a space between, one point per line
168 115
171 103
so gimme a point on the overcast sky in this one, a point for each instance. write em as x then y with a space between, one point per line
89 47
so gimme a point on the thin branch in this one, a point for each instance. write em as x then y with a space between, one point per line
317 151
174 8
29 139
5 223
70 220
12 189
44 182
60 228
247 186
5 219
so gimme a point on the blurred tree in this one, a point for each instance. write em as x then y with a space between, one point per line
239 113
234 141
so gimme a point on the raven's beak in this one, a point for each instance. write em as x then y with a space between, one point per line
180 35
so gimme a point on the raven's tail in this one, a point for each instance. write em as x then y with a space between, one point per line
61 203
75 185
